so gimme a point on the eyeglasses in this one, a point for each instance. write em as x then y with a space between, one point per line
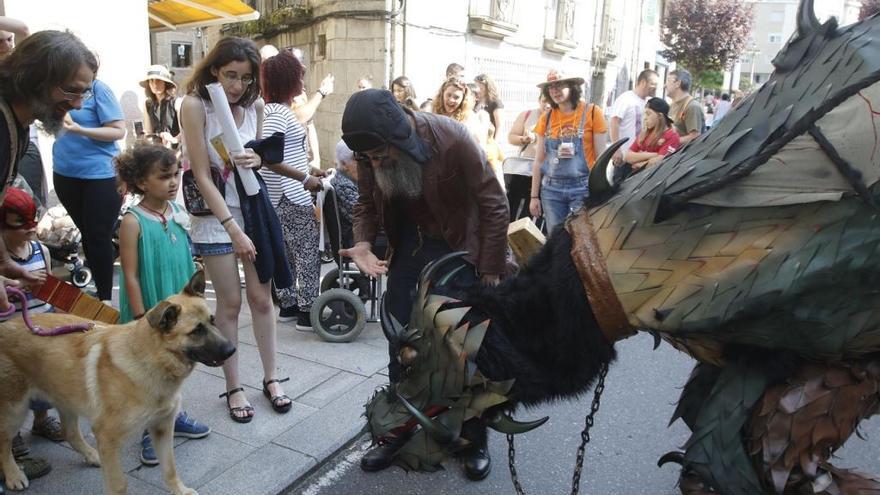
73 96
372 157
556 85
235 78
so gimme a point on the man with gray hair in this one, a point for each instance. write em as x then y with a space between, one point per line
685 111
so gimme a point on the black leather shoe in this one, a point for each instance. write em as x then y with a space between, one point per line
478 465
380 457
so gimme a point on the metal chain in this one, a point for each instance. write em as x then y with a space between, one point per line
585 435
511 463
585 439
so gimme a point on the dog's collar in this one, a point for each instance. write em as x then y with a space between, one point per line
587 257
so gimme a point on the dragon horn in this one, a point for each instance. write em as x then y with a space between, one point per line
430 271
599 184
503 423
390 326
807 22
674 456
440 433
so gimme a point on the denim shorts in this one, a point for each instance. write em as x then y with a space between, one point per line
212 248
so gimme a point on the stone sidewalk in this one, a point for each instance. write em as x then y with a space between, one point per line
329 384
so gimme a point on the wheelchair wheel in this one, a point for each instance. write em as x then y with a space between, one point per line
81 277
358 284
338 316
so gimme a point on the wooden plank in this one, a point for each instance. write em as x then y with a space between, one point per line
525 239
69 299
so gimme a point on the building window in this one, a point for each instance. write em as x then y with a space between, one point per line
775 38
321 47
181 54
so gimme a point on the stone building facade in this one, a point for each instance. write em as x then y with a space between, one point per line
607 42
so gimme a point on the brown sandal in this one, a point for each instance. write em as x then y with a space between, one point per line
247 408
277 399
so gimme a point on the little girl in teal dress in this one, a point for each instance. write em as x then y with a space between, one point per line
154 251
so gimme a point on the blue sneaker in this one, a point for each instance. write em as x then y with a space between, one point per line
185 426
148 455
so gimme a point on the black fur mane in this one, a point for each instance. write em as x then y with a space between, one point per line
543 332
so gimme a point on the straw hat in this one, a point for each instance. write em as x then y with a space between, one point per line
555 76
159 72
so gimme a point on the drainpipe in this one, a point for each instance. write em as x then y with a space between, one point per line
390 40
598 84
404 29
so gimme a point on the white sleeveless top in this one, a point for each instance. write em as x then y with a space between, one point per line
207 229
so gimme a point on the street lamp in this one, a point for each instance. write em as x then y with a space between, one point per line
754 52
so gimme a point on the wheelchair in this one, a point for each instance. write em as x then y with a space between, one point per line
339 314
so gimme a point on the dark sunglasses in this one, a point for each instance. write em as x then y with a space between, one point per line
372 157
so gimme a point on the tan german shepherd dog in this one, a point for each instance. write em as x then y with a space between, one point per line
123 378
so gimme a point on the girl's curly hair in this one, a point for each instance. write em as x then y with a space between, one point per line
137 163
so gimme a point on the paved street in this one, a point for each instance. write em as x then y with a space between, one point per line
630 435
299 453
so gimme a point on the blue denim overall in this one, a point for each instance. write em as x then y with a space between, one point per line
564 179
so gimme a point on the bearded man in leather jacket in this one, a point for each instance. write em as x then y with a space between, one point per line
424 179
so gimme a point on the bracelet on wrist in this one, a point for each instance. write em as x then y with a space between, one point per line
536 197
305 179
323 94
226 220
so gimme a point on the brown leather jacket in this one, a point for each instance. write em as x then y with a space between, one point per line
461 191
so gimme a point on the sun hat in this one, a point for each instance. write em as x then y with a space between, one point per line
159 72
373 118
554 76
660 106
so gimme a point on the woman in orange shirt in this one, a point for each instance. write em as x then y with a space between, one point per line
569 137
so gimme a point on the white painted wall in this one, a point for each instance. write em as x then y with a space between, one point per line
118 33
436 34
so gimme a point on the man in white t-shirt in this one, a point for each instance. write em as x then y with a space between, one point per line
626 112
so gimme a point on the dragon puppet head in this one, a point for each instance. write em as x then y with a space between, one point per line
440 386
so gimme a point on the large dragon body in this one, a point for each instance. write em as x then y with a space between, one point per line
755 249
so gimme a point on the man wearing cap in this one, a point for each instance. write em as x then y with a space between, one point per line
424 179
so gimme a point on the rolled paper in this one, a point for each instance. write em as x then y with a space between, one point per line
230 137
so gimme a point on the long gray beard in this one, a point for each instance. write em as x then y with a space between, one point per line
400 178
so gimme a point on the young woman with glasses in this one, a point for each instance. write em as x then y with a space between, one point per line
219 238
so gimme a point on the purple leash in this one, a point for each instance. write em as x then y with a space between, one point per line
12 291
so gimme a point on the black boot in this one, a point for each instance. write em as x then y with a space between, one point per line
379 457
475 457
478 464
